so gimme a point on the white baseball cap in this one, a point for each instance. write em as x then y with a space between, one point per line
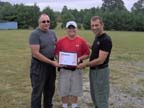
72 23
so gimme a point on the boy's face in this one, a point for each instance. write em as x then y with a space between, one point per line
71 31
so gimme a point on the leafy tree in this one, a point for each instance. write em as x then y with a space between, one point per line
7 12
138 22
64 10
108 20
66 16
27 16
58 16
88 13
35 12
86 21
138 6
76 15
113 12
138 15
111 5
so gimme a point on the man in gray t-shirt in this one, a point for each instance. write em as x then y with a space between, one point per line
43 67
46 40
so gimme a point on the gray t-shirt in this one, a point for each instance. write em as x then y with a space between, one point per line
46 40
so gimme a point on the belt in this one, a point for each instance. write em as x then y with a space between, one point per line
39 60
99 67
35 59
67 68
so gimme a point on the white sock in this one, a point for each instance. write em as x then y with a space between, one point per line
74 105
64 105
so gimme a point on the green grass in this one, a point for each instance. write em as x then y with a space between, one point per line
127 61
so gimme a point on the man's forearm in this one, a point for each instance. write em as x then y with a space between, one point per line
42 58
83 57
94 62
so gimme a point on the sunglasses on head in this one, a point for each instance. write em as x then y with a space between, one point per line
45 21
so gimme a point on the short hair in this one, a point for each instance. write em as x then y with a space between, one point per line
94 18
43 14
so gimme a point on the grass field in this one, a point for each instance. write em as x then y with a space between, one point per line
126 63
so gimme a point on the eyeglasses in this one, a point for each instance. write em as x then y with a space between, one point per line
45 21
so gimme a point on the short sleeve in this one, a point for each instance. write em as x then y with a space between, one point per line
106 45
34 39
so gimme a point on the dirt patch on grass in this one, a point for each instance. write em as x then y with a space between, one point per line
125 89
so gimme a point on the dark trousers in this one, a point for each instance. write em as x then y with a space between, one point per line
43 78
99 87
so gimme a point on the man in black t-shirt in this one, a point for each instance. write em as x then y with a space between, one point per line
99 62
43 72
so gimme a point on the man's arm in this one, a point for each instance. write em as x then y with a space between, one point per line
100 60
89 45
82 58
39 56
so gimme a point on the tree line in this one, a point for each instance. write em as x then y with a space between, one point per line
114 13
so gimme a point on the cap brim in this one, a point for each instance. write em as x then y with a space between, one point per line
71 26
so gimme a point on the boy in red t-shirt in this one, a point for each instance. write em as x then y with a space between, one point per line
70 78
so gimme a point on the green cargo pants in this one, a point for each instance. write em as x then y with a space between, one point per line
99 87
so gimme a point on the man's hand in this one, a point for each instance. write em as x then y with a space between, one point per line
81 65
55 63
79 60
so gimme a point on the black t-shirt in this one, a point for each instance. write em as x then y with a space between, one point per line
104 43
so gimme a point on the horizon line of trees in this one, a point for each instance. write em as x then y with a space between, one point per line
115 15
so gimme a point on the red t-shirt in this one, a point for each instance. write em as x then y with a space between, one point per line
77 45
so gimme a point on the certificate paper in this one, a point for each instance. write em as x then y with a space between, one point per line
67 58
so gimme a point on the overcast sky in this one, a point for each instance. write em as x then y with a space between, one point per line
57 5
